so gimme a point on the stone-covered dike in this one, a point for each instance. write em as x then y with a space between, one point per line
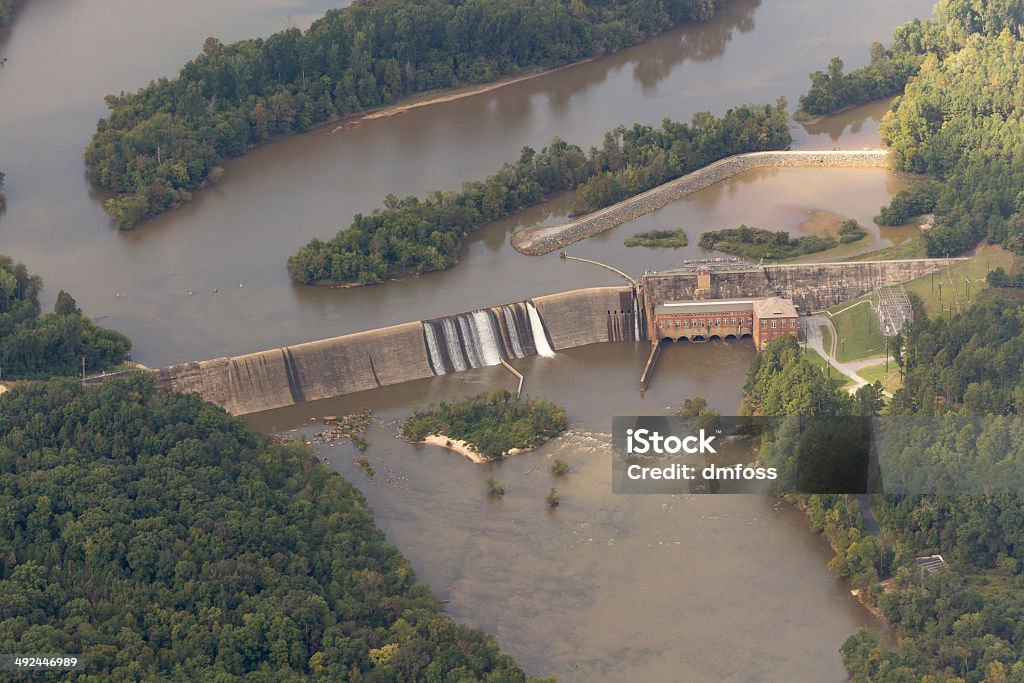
416 350
537 241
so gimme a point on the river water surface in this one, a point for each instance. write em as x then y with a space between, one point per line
63 57
605 587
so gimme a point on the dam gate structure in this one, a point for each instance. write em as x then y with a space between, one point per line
714 292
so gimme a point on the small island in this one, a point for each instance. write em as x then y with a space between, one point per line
756 243
488 426
658 238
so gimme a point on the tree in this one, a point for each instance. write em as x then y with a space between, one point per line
66 304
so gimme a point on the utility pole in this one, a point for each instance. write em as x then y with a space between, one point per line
887 356
83 368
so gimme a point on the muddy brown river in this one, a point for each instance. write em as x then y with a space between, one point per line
606 587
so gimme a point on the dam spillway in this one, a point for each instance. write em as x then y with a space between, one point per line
542 325
485 337
410 351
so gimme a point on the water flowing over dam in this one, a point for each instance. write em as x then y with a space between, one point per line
485 337
539 326
416 350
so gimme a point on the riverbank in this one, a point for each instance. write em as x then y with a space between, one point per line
466 450
442 96
542 240
460 447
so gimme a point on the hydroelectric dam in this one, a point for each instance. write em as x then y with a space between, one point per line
542 325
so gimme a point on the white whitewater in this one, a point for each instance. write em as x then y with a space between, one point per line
434 348
540 339
469 341
487 338
451 340
636 319
513 332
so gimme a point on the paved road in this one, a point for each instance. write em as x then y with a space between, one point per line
812 331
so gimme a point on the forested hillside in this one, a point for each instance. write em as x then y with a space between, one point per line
34 345
415 235
960 119
963 623
154 534
158 145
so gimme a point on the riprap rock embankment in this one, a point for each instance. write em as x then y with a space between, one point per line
537 241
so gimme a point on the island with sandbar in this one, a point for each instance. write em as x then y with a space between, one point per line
488 426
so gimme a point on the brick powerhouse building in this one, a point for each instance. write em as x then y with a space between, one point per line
774 317
762 319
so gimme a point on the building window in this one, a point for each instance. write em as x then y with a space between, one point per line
764 324
792 322
773 324
686 323
718 322
677 324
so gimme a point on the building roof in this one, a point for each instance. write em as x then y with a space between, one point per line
774 306
705 307
930 563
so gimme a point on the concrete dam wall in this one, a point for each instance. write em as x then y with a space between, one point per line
410 351
812 286
537 241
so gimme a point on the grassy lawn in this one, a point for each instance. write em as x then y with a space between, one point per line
975 269
826 338
839 380
876 373
912 248
857 328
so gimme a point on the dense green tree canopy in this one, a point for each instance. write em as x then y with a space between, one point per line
960 119
413 235
492 423
959 624
158 145
154 534
34 345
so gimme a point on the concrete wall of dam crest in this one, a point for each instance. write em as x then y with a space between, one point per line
422 349
401 353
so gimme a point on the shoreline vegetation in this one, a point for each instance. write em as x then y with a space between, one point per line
313 589
658 238
488 426
966 159
34 345
415 236
758 244
165 141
